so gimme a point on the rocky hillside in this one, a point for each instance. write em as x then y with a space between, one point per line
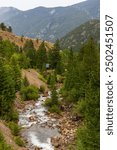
49 23
76 38
20 40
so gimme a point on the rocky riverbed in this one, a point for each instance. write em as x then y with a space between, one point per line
38 127
46 131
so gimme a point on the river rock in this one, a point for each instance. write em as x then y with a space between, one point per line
32 119
56 142
46 94
37 148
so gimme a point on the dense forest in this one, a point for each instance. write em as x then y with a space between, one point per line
77 72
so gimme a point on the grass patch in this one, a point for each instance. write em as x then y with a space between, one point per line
3 144
19 141
42 89
42 78
54 109
15 129
30 93
48 102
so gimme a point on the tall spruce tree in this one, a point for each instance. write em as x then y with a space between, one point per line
54 97
30 52
54 55
41 57
7 90
7 49
16 72
2 26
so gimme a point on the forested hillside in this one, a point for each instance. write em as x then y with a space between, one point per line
76 38
73 80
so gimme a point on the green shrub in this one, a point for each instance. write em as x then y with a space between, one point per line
29 93
60 79
25 81
19 141
15 129
80 106
86 139
54 109
42 78
14 116
54 97
42 89
3 145
1 137
53 104
48 78
48 102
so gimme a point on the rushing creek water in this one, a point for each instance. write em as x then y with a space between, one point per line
38 127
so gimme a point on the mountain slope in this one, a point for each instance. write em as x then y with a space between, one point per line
20 41
49 23
76 38
8 12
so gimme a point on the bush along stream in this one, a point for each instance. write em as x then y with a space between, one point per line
37 127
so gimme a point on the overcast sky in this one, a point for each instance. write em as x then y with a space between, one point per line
28 4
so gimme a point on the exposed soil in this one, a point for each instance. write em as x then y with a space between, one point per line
17 40
33 78
9 137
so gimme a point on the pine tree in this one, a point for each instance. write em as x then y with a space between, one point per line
7 49
54 55
16 71
23 61
30 52
69 74
9 29
54 97
2 26
89 64
53 80
41 57
7 90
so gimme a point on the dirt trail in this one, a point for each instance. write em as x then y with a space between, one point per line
9 137
33 78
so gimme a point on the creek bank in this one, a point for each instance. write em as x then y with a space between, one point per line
67 127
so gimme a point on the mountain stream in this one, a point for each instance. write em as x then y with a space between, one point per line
38 127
